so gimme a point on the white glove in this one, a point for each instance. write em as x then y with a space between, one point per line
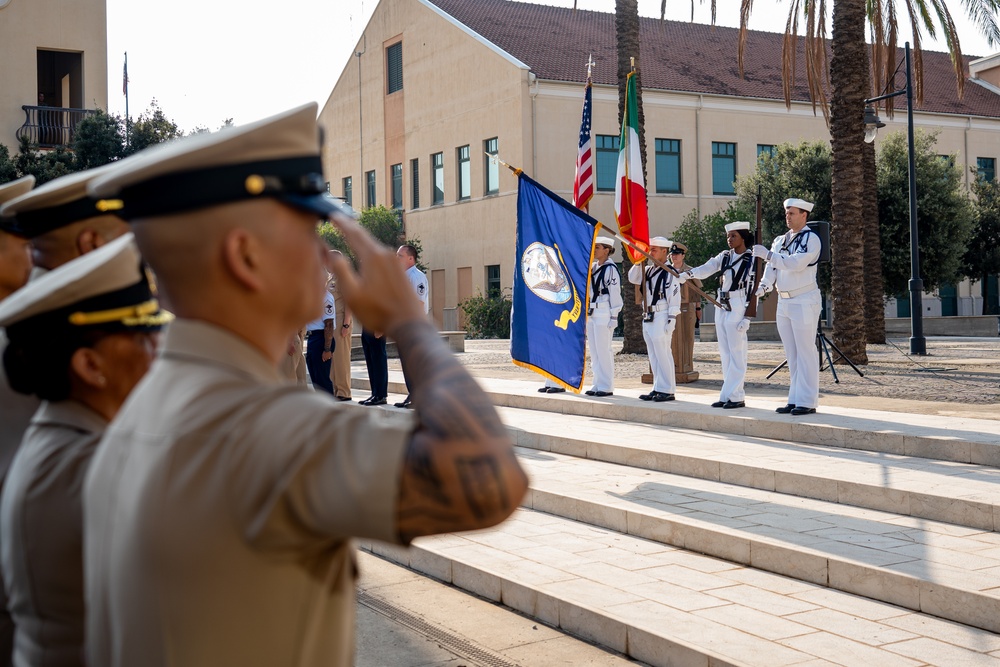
613 323
743 324
671 324
760 251
761 290
683 277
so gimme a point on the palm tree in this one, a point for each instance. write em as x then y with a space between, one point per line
627 35
848 79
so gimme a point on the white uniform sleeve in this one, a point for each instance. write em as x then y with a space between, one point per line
329 309
674 298
419 282
635 274
800 260
769 276
709 268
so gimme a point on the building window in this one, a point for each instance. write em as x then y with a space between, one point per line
491 168
607 161
415 181
766 149
464 173
370 186
987 168
437 165
493 280
397 186
668 165
723 168
394 68
348 189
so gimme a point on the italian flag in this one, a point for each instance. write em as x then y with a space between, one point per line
630 190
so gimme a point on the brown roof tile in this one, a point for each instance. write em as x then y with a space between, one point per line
676 56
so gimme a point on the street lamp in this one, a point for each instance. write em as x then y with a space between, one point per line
918 344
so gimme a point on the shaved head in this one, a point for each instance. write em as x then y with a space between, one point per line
53 249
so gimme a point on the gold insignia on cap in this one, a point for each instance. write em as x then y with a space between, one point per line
254 184
123 314
106 205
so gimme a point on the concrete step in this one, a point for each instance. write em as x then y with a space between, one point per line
667 606
958 439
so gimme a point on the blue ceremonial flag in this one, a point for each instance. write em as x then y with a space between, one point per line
555 245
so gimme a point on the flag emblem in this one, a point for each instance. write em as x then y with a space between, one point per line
543 274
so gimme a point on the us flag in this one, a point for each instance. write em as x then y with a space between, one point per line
583 182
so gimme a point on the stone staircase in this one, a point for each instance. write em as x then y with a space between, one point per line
679 534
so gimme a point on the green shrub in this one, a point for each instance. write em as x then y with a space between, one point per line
487 316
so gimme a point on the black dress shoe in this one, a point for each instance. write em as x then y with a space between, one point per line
366 401
375 400
660 397
543 390
604 393
556 390
785 410
719 404
730 405
590 392
803 411
343 398
647 397
403 404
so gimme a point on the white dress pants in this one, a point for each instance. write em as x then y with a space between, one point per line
661 359
797 319
599 342
732 349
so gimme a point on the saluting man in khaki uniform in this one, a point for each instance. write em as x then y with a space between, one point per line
220 505
81 337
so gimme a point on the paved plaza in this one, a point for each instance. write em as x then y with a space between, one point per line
675 534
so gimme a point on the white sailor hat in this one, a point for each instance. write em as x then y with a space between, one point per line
277 158
10 191
799 203
738 225
58 203
108 288
659 242
605 240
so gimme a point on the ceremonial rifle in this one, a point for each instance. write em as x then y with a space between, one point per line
758 264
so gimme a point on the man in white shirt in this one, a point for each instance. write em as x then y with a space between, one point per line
791 270
605 304
407 255
319 345
663 303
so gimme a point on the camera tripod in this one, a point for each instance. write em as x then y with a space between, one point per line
824 344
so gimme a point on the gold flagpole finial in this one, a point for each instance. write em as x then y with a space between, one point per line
590 65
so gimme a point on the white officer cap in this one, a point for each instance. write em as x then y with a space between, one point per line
58 203
738 225
799 203
108 288
605 240
278 158
659 242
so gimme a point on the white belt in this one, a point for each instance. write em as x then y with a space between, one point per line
658 307
602 304
796 292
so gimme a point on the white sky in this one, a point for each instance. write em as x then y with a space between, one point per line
208 60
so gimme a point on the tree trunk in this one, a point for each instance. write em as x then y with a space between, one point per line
874 287
849 82
627 36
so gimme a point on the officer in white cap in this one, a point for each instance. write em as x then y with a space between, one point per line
605 304
731 324
220 506
62 221
663 303
791 271
81 337
15 409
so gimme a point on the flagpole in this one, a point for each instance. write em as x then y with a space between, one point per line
125 90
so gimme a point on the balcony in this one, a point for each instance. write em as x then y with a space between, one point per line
50 127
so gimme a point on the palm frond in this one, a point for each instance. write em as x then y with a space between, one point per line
788 49
745 7
984 14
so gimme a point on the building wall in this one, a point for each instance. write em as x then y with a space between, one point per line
459 90
79 26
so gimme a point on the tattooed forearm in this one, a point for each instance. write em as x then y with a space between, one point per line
460 471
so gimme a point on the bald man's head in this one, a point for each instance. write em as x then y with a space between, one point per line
53 249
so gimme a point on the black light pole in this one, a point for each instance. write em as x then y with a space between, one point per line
918 343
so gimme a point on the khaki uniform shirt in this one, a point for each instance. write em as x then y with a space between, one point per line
41 522
218 512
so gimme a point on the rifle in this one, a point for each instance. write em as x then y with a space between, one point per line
758 264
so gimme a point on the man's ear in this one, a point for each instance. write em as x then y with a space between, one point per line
242 253
87 365
88 240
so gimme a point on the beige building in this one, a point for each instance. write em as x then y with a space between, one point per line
434 84
52 48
